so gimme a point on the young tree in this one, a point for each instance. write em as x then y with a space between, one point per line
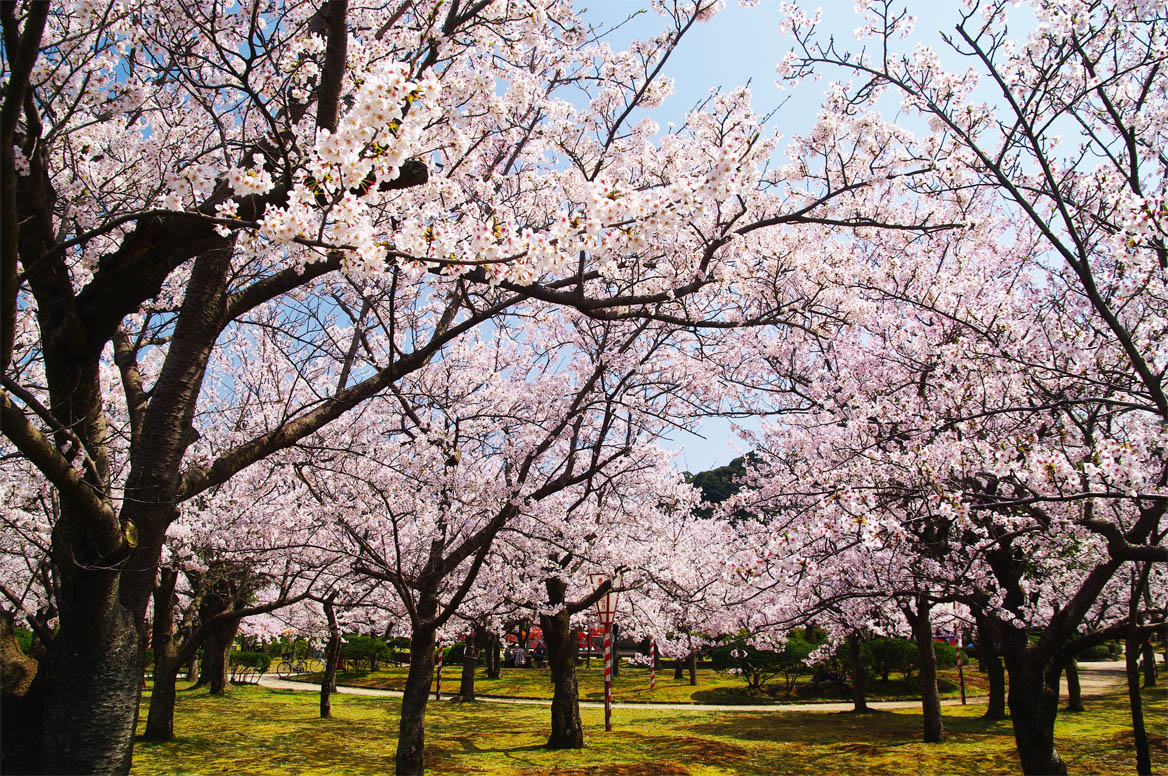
222 564
512 429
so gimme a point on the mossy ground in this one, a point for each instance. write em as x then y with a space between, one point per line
632 686
255 730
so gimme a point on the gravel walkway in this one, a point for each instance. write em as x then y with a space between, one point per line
1094 678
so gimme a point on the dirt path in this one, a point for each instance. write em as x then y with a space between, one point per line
1098 678
1094 678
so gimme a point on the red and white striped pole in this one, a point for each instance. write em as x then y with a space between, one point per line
606 612
608 678
438 681
652 665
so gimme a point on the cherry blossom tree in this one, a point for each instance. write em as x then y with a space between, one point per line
994 400
223 563
178 178
632 530
509 434
940 451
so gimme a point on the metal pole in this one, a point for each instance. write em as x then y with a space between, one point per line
438 682
652 665
608 678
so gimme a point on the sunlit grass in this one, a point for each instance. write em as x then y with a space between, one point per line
632 685
259 731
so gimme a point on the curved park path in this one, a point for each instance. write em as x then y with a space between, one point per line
1094 679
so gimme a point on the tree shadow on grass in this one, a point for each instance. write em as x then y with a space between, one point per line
814 727
468 745
729 696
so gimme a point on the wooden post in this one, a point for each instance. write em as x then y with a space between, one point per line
961 673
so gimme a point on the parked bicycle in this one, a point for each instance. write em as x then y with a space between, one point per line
310 665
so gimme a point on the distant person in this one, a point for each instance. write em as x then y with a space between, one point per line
520 657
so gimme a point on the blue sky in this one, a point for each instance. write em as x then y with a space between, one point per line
740 45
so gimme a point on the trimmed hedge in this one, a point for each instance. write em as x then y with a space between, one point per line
256 660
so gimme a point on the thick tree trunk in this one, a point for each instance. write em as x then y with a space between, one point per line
328 683
193 668
160 717
1149 656
93 678
94 682
494 662
168 662
678 669
217 656
1033 699
1074 690
1139 732
480 643
567 730
922 625
411 740
859 700
691 663
466 682
19 702
991 663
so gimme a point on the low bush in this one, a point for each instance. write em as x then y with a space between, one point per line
946 654
256 660
1110 650
893 654
453 654
360 651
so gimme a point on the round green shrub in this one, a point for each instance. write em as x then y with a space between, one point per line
256 660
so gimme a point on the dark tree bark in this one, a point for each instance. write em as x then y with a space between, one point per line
328 683
217 652
170 654
1033 699
94 678
494 660
1134 644
411 740
193 668
991 663
1074 690
678 669
567 731
859 700
922 626
1149 662
470 658
1139 732
691 662
160 717
19 702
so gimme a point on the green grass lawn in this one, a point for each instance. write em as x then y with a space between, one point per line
632 686
254 730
